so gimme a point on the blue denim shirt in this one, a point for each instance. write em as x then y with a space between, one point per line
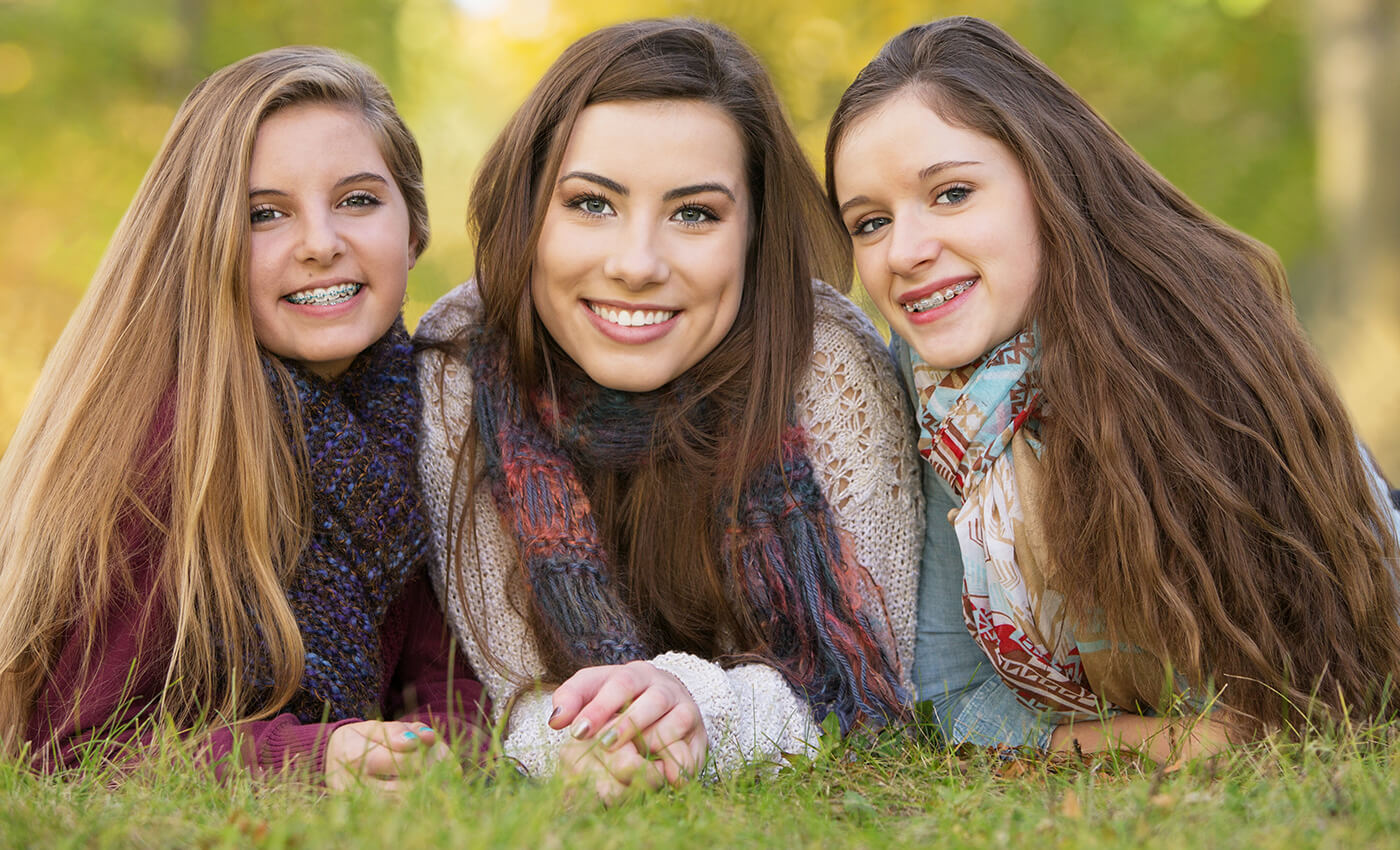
970 702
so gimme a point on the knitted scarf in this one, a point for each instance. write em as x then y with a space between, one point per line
822 617
369 528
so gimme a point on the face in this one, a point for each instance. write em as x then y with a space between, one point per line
946 236
330 239
640 265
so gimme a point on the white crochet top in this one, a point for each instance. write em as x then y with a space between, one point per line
861 441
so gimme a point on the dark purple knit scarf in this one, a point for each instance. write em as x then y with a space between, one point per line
369 529
823 623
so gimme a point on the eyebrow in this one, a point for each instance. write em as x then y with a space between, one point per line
596 178
698 188
359 177
924 174
678 192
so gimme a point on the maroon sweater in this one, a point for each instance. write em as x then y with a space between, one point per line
122 685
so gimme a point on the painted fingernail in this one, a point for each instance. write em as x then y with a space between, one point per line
423 729
555 713
608 738
581 728
410 736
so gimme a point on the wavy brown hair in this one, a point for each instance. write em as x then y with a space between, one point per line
1205 493
660 521
153 412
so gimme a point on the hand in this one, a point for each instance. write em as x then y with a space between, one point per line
636 706
1160 739
612 774
378 753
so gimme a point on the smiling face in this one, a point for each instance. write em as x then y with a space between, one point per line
330 243
640 265
944 228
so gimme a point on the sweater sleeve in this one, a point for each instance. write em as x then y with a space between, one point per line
970 703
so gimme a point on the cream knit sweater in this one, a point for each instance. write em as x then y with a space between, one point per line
861 443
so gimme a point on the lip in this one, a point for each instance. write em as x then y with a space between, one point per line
934 314
627 336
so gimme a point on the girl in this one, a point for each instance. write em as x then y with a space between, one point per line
642 423
1156 496
210 507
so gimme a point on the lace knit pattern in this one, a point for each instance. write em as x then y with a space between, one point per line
862 444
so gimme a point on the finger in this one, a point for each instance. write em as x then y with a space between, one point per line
436 753
576 692
616 694
679 740
403 737
383 762
628 767
650 706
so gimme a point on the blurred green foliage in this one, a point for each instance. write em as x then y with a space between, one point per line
1212 92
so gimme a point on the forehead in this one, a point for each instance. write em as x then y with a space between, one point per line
314 135
907 120
683 140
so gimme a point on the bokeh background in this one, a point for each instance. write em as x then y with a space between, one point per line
1281 117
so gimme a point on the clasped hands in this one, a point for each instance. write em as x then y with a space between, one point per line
631 726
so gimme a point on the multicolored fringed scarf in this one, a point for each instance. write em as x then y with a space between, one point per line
369 529
822 617
968 420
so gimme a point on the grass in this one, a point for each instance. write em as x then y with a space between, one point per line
1328 792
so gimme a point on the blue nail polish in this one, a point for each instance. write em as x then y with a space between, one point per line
410 736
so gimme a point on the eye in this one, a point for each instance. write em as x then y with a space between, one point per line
694 214
591 205
361 199
264 214
867 226
953 195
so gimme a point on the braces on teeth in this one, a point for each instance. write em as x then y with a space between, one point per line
938 298
327 296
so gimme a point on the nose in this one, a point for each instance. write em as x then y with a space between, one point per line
913 245
635 259
319 239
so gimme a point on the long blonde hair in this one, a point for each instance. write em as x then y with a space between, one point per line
164 334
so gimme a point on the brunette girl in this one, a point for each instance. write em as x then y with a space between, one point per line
648 430
209 512
1158 504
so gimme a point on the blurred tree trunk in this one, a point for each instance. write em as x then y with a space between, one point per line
1356 89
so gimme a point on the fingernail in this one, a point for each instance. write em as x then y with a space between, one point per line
422 729
609 737
555 713
410 736
581 728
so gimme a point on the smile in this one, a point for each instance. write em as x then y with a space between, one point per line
940 298
631 318
326 297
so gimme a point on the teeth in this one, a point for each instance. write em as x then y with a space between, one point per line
938 298
631 318
325 296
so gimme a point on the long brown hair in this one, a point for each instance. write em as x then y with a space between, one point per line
165 332
1205 493
660 521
